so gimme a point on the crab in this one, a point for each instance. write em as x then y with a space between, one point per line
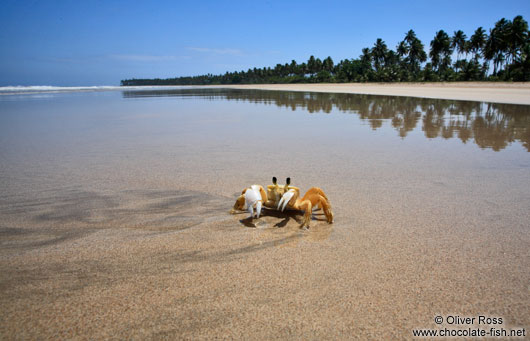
280 197
314 199
255 197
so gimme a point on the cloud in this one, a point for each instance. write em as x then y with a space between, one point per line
142 58
216 51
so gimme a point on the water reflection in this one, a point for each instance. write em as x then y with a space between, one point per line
489 125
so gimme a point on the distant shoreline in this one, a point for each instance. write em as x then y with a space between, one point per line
497 92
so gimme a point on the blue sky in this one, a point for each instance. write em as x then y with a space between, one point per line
101 42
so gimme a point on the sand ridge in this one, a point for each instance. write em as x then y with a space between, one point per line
501 92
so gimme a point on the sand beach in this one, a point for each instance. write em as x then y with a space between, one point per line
115 221
501 92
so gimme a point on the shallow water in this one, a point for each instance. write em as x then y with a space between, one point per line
76 157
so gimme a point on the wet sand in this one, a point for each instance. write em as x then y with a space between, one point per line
513 93
130 236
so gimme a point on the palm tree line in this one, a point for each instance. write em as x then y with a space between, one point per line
502 54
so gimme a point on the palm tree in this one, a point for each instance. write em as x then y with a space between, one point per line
318 65
379 52
327 64
366 64
417 54
366 56
441 51
293 68
311 65
302 68
278 70
497 44
458 42
435 52
477 41
518 36
402 49
410 36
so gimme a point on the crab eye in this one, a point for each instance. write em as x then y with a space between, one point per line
288 181
274 180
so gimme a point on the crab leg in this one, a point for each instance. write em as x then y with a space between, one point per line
313 199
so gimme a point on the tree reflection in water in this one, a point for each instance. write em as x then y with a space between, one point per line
489 125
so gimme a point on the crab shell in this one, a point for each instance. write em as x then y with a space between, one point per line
275 192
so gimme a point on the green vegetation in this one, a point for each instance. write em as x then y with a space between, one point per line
503 54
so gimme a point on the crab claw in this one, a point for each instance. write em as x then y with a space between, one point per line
285 199
253 199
